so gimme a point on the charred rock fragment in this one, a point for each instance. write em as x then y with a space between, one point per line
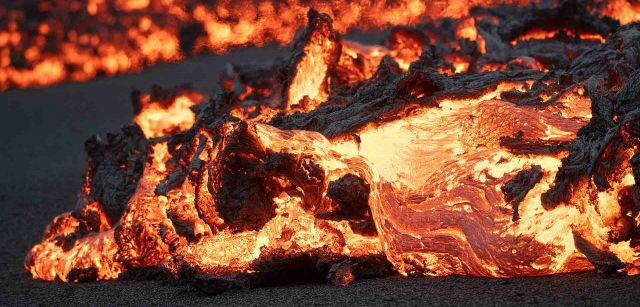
114 168
517 188
241 191
350 194
603 260
83 275
349 270
303 176
520 145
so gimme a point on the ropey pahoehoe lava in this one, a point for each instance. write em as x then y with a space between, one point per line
502 142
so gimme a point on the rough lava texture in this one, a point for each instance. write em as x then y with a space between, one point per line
528 168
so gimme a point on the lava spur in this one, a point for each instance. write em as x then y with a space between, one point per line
494 139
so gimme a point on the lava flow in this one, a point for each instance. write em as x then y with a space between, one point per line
43 42
503 143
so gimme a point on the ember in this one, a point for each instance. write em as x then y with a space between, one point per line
502 142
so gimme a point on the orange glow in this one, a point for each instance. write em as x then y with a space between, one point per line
445 166
539 34
467 29
535 34
430 151
132 5
624 11
229 24
156 119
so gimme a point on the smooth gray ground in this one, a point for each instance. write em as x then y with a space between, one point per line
41 168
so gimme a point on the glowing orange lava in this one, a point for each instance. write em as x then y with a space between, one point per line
80 39
449 149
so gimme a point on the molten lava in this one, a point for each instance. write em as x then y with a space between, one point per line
44 42
486 146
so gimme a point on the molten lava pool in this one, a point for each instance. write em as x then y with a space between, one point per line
483 139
